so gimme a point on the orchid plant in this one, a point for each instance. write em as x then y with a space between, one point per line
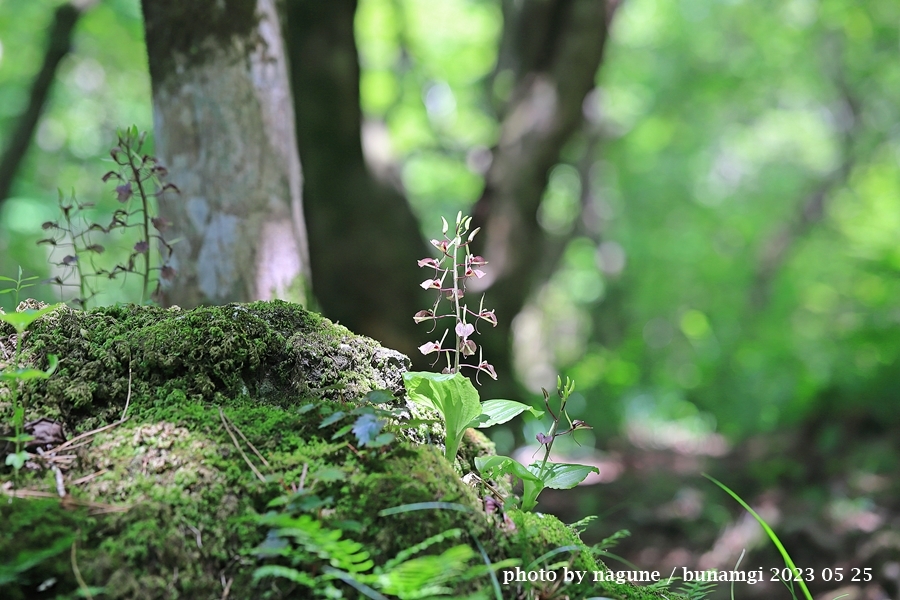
452 395
460 270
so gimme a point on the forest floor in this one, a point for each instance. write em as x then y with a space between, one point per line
831 493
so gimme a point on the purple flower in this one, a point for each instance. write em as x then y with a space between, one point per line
543 438
487 368
423 315
464 330
160 224
429 262
489 316
429 347
123 192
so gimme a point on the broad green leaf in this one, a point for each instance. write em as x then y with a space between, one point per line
16 459
413 380
21 320
562 476
504 465
366 428
501 411
453 396
379 397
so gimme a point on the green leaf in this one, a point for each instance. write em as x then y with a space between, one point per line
366 428
342 431
21 320
562 476
382 439
16 460
332 418
501 411
769 532
504 465
452 395
379 397
24 374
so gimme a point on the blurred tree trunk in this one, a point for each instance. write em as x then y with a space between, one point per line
224 127
59 42
364 237
552 50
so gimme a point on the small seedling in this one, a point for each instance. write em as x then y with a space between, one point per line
20 283
15 374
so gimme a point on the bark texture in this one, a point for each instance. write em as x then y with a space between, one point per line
224 126
365 237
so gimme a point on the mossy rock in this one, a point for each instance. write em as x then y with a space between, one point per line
165 504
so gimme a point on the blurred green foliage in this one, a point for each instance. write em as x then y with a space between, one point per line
730 211
102 85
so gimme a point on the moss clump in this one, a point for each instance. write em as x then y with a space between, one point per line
272 351
205 385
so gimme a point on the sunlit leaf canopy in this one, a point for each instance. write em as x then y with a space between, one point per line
731 210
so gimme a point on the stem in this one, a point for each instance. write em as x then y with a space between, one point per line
456 298
140 184
81 283
553 428
14 391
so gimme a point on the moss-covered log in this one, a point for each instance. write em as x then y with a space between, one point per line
164 503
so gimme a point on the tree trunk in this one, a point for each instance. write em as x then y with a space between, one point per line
364 236
224 126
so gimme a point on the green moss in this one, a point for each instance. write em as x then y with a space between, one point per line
272 351
192 500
